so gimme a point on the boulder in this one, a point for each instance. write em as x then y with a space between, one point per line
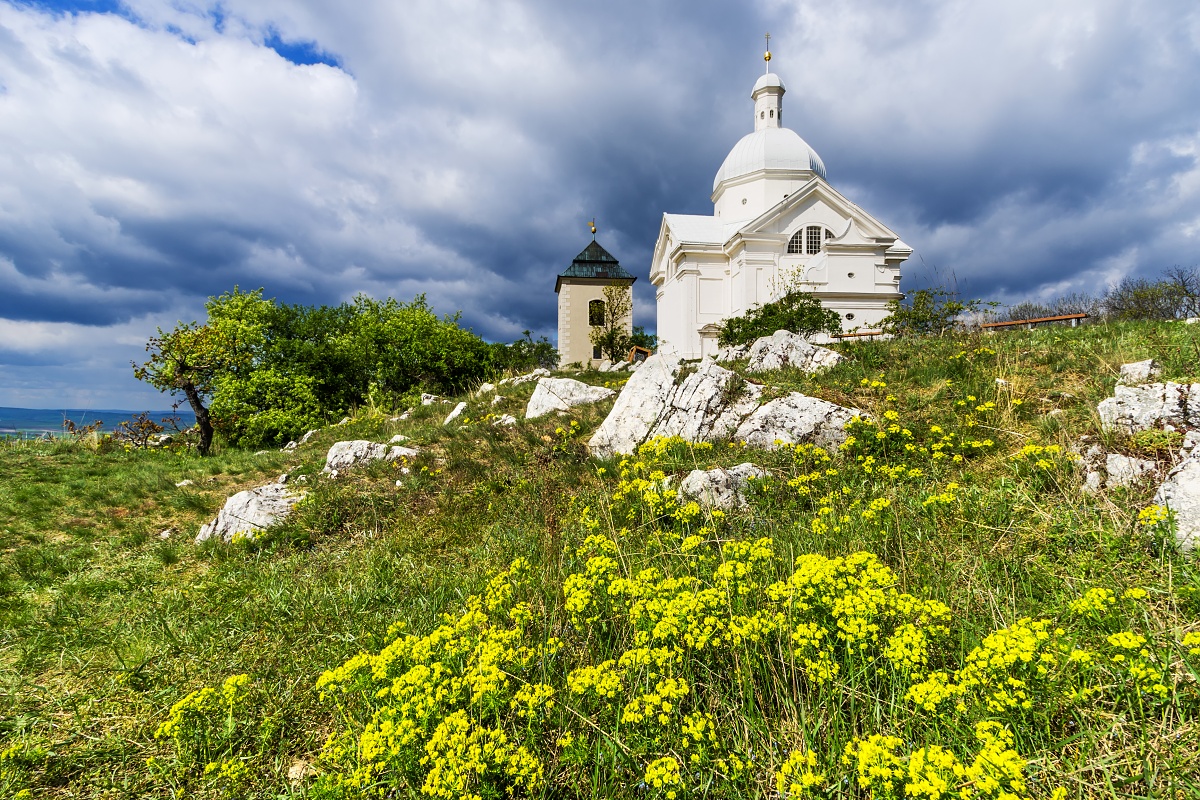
1191 440
485 388
1152 405
504 420
248 513
429 399
1180 493
304 439
1139 372
399 438
349 454
796 418
455 414
662 399
497 399
561 394
784 349
719 488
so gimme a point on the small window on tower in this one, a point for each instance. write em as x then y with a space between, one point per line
762 115
772 113
796 243
596 312
812 235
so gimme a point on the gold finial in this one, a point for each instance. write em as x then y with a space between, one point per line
767 55
593 227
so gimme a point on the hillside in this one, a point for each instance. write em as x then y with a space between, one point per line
934 609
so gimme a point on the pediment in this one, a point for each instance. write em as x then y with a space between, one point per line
864 228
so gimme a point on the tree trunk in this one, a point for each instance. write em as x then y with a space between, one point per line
202 420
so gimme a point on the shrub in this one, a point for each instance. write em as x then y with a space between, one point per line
928 312
797 311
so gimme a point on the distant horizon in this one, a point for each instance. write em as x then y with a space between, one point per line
17 420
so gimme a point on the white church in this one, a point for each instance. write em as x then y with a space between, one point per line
777 224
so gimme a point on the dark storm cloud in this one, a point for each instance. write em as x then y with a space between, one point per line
158 154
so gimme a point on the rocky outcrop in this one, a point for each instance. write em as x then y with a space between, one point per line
719 488
248 513
540 372
732 353
708 403
787 349
1152 405
1103 470
661 399
349 454
796 418
562 394
1180 493
1139 372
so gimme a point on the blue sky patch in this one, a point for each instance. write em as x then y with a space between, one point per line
300 52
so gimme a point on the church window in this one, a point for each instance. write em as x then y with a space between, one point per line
596 312
595 352
796 243
850 316
812 235
772 113
762 115
828 233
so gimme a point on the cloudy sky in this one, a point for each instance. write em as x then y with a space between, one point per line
156 152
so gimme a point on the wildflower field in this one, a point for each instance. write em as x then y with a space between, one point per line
932 610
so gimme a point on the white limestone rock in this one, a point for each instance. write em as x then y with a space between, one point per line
540 372
794 419
399 438
1191 440
344 421
732 352
784 348
1139 372
185 482
719 488
1138 408
455 414
504 420
661 399
485 388
1191 320
248 513
497 399
304 439
349 454
1180 493
1127 471
289 447
563 394
429 399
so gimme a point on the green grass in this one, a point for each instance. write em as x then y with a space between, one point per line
106 625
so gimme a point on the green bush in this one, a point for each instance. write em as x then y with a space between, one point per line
796 311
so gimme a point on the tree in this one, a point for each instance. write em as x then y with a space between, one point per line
187 360
611 335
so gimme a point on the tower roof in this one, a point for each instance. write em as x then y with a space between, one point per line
595 262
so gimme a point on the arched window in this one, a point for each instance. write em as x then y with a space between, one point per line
596 312
796 243
813 236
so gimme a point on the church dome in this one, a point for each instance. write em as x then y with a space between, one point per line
769 79
770 149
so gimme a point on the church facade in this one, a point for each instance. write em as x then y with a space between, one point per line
777 224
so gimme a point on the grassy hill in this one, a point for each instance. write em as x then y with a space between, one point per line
934 610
